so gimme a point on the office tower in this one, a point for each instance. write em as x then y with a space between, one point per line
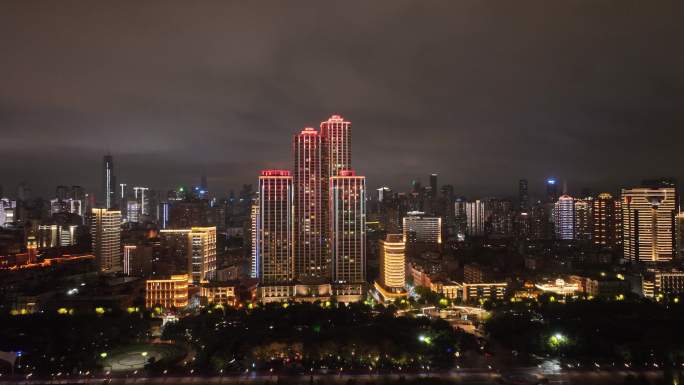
191 251
274 235
163 215
105 231
523 196
564 218
109 182
384 193
475 217
433 186
167 293
23 192
141 195
203 254
392 281
551 190
583 218
418 228
499 217
128 257
348 227
679 228
310 206
648 221
61 192
336 134
133 212
607 221
186 214
254 228
203 183
77 193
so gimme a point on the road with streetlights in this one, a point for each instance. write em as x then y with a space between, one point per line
522 376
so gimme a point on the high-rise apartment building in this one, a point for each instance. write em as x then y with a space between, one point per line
310 206
274 228
336 134
606 221
105 231
583 218
648 222
679 228
348 227
109 182
564 218
475 217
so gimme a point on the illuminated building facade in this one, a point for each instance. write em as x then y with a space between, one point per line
106 238
418 228
583 218
167 293
194 247
348 227
648 222
336 133
203 254
606 221
564 217
475 217
310 206
109 182
254 252
679 228
273 221
392 281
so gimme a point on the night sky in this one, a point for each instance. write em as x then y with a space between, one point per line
481 92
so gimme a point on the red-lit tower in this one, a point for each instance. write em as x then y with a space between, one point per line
337 134
312 260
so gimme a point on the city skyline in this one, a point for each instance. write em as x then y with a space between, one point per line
174 95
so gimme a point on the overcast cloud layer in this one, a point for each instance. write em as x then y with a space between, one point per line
481 92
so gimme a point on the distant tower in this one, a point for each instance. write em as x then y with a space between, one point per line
433 186
105 230
108 181
564 217
274 228
61 193
523 196
551 190
310 206
348 227
336 133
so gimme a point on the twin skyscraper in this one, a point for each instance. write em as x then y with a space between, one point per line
309 224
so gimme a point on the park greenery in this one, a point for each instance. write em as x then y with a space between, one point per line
620 331
67 341
320 336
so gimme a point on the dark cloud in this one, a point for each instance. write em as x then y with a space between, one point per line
482 92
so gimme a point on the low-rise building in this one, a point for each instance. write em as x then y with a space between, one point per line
167 293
